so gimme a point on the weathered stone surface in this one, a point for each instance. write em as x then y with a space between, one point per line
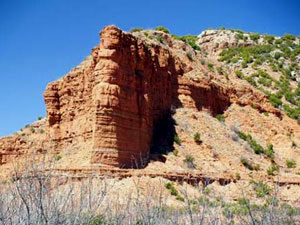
116 97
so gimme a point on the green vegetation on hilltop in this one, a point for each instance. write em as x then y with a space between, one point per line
280 55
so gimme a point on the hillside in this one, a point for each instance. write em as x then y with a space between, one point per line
219 111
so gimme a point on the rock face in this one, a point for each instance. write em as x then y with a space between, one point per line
116 97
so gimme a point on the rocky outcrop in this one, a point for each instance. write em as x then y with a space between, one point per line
213 41
117 97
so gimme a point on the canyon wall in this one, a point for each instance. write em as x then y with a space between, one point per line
118 96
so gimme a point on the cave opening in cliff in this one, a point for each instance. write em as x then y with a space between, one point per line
163 134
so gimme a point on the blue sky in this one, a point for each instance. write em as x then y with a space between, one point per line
42 40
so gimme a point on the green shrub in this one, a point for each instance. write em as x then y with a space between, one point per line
173 191
269 39
189 160
239 74
240 36
176 37
191 40
210 66
257 148
220 117
163 29
234 60
256 167
272 170
254 37
288 37
202 61
274 100
136 29
278 41
243 135
175 152
247 163
160 39
261 189
291 163
39 118
294 145
197 138
97 220
58 157
189 55
177 140
289 96
277 55
244 64
269 151
251 80
32 130
265 82
220 70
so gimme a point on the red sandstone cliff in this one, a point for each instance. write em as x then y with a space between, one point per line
115 98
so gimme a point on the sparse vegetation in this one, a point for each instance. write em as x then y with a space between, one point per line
173 191
272 170
177 140
220 117
247 163
254 37
40 204
239 74
197 138
189 160
257 148
189 39
175 152
290 163
160 39
58 157
210 67
189 55
163 29
261 189
136 29
270 152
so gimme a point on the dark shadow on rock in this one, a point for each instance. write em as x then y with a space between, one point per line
163 135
